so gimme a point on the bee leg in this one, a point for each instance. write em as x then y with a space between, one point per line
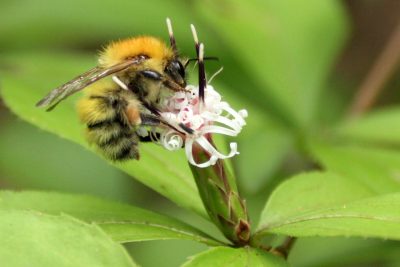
156 76
174 86
149 120
153 120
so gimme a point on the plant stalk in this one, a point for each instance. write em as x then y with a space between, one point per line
218 191
380 73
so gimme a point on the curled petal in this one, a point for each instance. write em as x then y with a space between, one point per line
243 113
203 142
219 130
210 149
171 141
189 155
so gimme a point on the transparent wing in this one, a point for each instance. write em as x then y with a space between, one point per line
82 81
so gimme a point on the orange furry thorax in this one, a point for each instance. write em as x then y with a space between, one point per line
144 45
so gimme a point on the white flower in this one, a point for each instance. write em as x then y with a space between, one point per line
198 120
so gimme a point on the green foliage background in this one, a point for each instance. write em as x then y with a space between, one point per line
278 58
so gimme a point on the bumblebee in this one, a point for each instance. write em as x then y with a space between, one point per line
125 92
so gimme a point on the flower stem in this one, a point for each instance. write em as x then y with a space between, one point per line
220 196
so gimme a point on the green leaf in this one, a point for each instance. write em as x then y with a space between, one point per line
288 46
26 81
373 217
382 126
376 168
262 150
324 204
35 239
344 251
307 192
42 23
123 223
235 257
20 143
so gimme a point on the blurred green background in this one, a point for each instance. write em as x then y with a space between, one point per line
295 65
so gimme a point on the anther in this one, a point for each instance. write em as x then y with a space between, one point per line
171 36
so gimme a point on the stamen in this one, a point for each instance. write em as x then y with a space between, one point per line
215 74
120 83
201 52
202 73
195 38
171 36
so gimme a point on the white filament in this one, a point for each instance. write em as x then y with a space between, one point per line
215 74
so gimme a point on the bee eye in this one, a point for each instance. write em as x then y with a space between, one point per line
178 67
181 69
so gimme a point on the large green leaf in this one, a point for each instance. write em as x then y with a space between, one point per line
261 155
263 146
30 76
35 239
45 23
287 46
122 222
308 192
235 257
381 126
324 204
77 171
344 251
378 169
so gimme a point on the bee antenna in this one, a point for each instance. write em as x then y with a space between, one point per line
202 73
171 36
195 59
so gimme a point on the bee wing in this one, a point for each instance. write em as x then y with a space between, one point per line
82 81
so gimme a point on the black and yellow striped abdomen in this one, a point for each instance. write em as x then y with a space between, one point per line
103 110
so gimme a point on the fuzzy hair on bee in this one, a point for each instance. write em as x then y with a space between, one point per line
124 93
